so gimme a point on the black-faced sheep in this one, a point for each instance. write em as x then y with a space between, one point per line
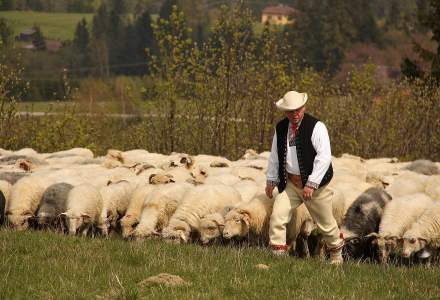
423 166
362 218
53 203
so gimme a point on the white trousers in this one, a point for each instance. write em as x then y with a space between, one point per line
319 207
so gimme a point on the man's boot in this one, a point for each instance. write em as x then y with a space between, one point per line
336 256
278 250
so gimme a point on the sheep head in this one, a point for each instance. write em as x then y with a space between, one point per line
211 227
237 223
115 155
128 224
179 234
160 179
307 227
20 221
199 174
383 249
412 245
183 160
24 164
73 222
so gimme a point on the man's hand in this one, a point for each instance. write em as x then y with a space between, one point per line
269 190
307 193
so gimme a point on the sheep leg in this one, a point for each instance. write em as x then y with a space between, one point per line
306 246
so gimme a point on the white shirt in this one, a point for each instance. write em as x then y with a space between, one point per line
323 158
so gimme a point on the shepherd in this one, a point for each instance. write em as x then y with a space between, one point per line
300 167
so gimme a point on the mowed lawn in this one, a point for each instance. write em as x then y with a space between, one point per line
39 265
58 26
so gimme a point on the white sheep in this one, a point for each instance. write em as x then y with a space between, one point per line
432 188
226 179
23 202
116 197
211 227
200 201
407 183
5 188
84 208
158 207
425 232
302 224
132 216
248 189
398 215
250 219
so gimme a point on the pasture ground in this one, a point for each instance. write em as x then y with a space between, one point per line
41 265
58 26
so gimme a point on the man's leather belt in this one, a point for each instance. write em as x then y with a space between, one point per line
295 180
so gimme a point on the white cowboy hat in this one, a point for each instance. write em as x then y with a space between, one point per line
292 100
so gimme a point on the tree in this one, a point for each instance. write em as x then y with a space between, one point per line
81 45
7 5
171 68
115 38
100 51
432 21
39 41
430 18
144 37
410 69
6 33
167 8
82 37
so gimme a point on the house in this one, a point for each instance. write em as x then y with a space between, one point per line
278 15
27 35
53 46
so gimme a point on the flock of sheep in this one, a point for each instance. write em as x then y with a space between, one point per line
385 208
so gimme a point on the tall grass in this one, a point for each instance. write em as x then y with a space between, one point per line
43 265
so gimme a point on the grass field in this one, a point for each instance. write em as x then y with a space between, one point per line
59 26
39 265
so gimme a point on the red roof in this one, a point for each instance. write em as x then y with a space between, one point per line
53 46
279 9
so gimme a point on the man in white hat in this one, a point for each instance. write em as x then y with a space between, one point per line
300 166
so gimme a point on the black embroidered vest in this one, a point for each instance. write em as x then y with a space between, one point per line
305 151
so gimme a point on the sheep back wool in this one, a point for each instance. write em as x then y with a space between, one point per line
306 153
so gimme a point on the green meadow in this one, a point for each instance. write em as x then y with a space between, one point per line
41 265
58 26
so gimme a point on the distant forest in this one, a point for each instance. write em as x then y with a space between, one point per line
329 36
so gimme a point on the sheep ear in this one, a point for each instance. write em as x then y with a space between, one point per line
189 162
372 235
219 222
150 179
85 216
227 209
28 213
183 237
354 241
423 241
155 233
246 218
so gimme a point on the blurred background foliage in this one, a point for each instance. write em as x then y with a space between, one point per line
201 77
